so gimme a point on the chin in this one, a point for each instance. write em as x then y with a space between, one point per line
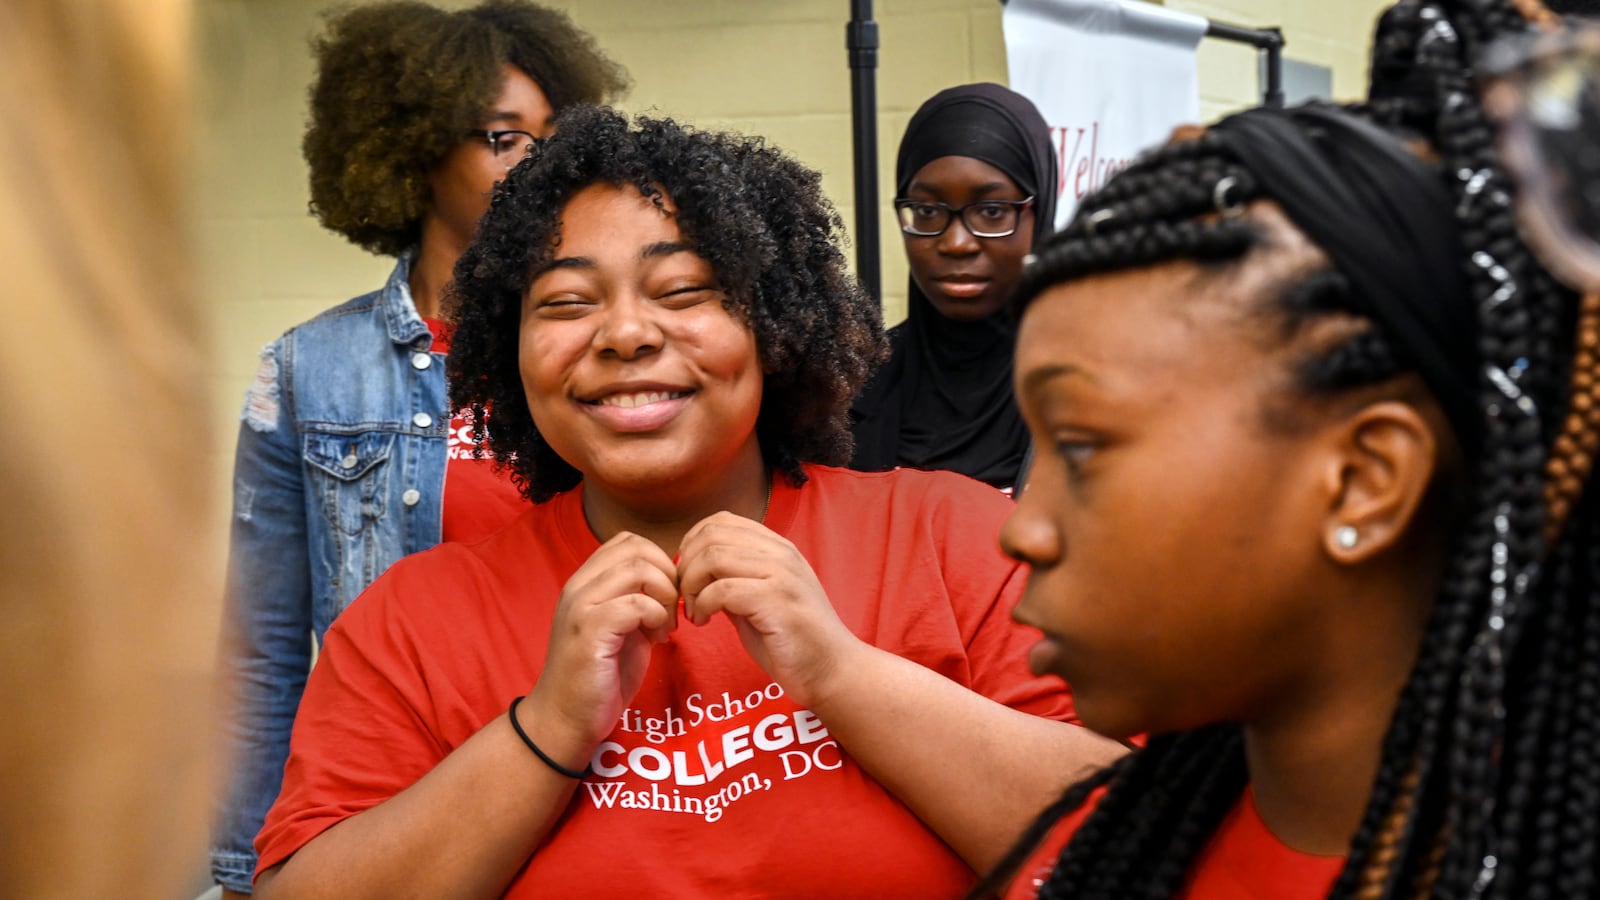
1113 717
657 481
966 310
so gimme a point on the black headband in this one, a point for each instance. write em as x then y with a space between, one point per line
1386 221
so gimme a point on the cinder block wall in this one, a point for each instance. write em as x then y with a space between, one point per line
772 67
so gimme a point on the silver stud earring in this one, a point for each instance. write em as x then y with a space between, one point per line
1346 536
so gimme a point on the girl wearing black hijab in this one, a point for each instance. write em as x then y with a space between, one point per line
975 193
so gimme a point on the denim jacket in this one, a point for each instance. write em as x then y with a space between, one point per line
339 472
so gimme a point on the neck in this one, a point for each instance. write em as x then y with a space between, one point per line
434 266
743 487
1313 763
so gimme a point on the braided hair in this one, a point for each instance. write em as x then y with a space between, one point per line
1488 783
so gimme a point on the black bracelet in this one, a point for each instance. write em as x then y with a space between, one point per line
570 773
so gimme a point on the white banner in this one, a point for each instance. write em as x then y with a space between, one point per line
1111 77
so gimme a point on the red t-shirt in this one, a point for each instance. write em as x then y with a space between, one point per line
479 497
714 782
1242 861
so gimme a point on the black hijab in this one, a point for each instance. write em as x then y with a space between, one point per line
944 399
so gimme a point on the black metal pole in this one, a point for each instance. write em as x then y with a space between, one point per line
1269 40
861 39
1274 95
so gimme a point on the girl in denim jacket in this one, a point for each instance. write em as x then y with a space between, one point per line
348 437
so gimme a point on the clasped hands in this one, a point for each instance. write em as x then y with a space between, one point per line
625 598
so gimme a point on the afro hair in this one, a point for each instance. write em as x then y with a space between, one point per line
756 215
400 83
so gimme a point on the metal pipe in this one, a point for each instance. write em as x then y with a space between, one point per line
861 40
1274 92
1259 37
1269 40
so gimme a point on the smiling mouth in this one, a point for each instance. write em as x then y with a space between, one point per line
637 398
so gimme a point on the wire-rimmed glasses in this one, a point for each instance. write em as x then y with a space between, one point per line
508 144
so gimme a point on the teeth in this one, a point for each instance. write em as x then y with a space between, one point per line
643 398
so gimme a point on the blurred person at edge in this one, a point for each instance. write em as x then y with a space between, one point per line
348 442
104 617
973 183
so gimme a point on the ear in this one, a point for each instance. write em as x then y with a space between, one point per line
1385 456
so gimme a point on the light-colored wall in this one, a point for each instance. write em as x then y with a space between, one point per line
1332 33
773 67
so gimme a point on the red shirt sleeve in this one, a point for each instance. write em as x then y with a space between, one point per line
363 732
966 520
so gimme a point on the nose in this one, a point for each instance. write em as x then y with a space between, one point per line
1030 536
957 240
629 329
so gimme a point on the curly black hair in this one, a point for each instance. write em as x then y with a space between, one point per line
1489 780
756 215
399 83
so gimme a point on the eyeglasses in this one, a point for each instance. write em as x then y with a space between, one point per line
506 141
1542 90
985 218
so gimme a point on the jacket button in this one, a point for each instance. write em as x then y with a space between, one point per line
349 462
420 360
422 420
411 497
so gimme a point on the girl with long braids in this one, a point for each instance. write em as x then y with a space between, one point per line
1310 507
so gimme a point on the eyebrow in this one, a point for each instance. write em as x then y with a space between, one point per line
651 251
1037 377
665 248
566 262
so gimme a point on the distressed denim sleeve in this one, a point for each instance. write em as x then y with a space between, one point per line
266 640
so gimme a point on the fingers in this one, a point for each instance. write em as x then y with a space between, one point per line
735 566
727 545
730 563
620 601
744 597
623 566
718 563
628 557
728 548
655 619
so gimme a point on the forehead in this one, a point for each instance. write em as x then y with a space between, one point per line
600 215
1179 309
520 99
958 172
1150 336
